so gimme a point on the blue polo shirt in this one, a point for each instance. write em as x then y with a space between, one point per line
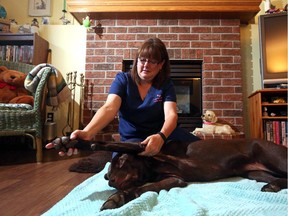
140 118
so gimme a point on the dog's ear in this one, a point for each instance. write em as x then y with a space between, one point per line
122 160
215 119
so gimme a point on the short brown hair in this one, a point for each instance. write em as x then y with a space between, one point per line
155 49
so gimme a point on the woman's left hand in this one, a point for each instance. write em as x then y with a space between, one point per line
153 144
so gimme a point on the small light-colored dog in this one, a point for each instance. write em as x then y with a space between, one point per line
211 127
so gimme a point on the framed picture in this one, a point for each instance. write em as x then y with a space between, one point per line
39 7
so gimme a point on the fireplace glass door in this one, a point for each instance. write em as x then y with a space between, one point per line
188 98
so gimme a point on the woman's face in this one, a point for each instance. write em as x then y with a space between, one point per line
148 69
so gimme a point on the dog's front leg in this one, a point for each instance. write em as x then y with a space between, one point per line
197 131
124 147
165 184
120 198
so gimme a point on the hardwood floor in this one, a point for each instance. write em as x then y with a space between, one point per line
31 189
28 188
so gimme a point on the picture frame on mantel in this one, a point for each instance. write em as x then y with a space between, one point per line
39 8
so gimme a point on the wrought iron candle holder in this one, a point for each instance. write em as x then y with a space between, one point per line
71 79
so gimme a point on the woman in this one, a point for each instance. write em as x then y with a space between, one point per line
145 101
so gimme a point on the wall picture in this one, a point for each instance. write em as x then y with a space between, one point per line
39 7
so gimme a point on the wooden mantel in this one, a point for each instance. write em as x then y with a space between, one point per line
244 10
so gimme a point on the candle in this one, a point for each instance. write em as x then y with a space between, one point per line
64 5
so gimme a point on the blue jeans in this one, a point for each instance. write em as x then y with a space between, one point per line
182 135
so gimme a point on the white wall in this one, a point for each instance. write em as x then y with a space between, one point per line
18 10
68 45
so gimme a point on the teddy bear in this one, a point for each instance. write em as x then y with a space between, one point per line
12 88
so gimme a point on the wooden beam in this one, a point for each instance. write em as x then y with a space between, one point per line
101 9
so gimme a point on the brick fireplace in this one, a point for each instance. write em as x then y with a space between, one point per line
216 42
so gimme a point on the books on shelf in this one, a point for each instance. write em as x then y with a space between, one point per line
15 53
276 131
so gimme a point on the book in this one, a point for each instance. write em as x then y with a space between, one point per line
276 131
284 133
17 53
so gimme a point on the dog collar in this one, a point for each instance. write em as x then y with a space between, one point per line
3 84
208 123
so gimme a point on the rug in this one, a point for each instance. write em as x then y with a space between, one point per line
233 196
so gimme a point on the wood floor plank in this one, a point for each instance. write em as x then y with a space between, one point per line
31 189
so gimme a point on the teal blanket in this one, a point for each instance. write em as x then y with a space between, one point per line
233 197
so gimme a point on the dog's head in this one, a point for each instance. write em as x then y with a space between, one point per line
127 171
209 116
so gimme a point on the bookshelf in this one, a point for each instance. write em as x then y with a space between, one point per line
25 48
268 115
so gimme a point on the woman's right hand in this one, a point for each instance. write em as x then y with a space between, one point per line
81 135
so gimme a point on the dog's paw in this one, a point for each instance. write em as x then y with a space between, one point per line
116 200
63 143
196 132
271 188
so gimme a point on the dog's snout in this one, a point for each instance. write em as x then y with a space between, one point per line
112 180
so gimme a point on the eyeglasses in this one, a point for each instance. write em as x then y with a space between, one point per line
144 60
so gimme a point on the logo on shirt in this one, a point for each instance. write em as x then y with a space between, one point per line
158 98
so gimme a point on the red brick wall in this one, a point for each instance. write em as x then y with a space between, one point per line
216 42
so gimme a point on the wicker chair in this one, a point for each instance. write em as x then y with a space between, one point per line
25 120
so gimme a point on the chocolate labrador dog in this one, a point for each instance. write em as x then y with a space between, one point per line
179 163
